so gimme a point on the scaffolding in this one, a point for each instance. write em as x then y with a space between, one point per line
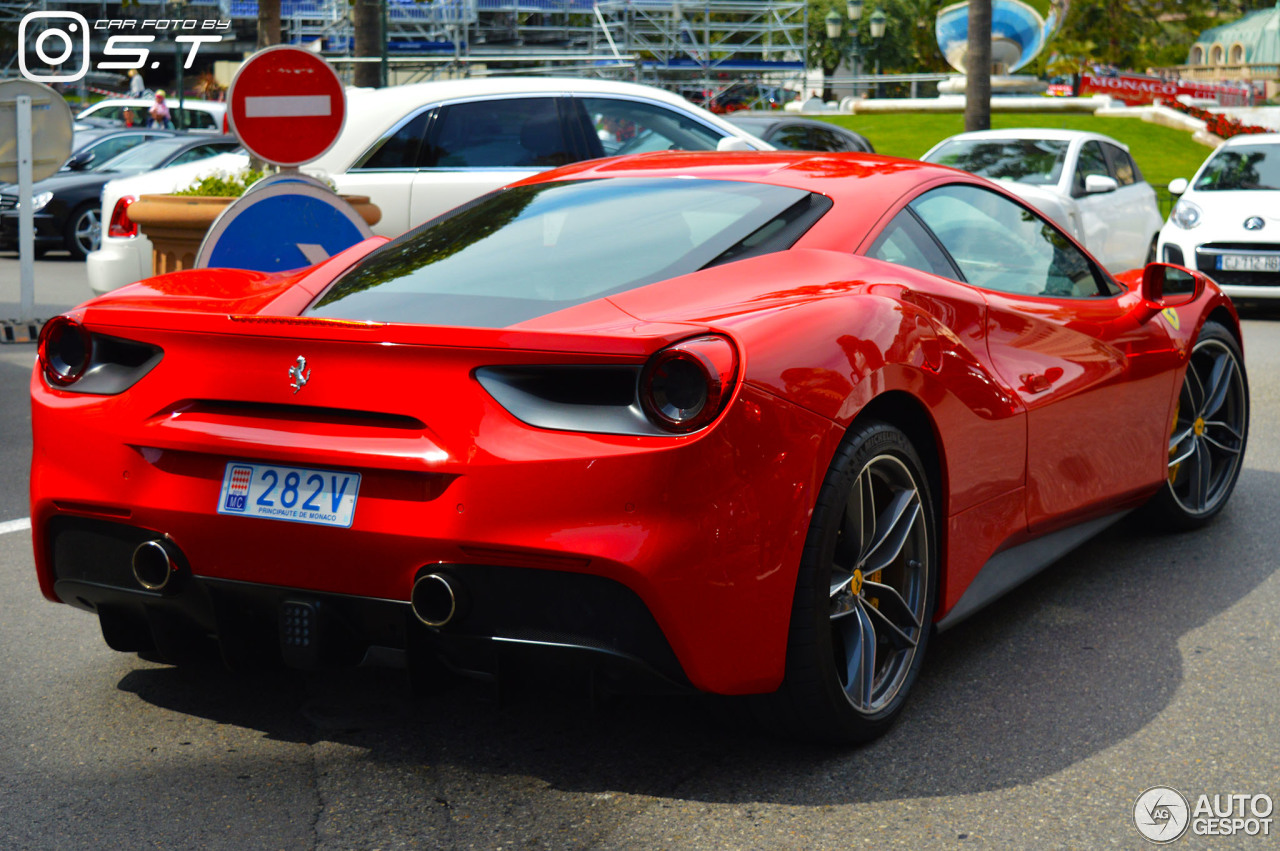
698 48
706 46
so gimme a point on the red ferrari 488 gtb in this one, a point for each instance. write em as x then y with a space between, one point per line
752 424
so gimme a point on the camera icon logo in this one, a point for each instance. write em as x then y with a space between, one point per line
54 45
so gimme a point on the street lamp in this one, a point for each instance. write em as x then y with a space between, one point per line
878 22
853 10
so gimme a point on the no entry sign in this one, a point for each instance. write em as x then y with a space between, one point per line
286 105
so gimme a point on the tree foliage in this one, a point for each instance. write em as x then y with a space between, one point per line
909 43
1135 34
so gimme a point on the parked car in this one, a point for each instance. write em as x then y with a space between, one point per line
1227 221
1086 182
743 424
791 133
68 206
419 150
196 115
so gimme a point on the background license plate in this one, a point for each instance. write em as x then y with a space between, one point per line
1249 262
298 494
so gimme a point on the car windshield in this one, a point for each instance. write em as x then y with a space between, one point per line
143 157
1242 167
524 252
1034 161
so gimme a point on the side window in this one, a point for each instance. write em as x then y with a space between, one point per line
502 133
633 127
1001 245
109 113
199 153
108 148
792 137
1092 161
821 139
1122 167
905 242
192 119
399 148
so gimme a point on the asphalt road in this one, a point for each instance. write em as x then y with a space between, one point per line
1139 660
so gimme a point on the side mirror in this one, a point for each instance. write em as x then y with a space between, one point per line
81 161
733 143
1096 184
1166 285
1177 186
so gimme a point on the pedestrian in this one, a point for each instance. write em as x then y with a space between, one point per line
136 85
160 112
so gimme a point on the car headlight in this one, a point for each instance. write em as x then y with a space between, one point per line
1186 214
37 202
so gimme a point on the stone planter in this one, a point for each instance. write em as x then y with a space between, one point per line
176 224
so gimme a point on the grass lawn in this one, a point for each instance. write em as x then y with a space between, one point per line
1161 152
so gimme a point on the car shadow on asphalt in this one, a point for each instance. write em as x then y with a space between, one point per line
1074 662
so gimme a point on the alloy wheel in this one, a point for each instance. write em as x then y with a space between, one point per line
879 584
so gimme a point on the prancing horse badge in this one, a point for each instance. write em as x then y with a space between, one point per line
300 374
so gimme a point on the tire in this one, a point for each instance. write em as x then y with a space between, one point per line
84 231
1151 249
883 618
1210 430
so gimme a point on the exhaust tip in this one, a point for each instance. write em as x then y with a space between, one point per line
153 566
435 599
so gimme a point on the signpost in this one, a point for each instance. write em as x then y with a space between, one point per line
287 106
306 222
35 140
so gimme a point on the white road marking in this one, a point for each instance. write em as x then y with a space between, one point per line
287 106
15 525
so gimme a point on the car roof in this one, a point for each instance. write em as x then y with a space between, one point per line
187 103
1054 133
372 112
849 179
1253 139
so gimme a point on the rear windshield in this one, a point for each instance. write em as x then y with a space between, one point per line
524 252
1242 167
1034 161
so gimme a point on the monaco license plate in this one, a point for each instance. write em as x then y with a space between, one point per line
296 494
1249 262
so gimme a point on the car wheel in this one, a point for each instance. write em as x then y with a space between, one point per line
1151 249
1210 428
865 594
84 231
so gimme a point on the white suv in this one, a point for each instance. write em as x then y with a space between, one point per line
421 149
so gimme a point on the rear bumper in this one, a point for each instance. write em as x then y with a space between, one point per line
510 613
680 555
118 262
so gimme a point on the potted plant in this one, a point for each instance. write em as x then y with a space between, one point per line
177 223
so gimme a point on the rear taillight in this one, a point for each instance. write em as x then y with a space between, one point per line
121 225
65 350
685 386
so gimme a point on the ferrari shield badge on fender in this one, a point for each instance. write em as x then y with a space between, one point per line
300 374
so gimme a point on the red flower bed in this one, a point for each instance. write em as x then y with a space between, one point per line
1222 126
